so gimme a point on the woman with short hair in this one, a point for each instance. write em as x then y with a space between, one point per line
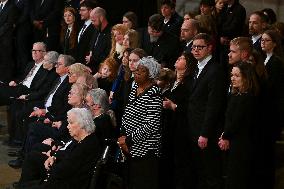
141 127
71 166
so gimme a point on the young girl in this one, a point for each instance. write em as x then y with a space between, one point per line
106 74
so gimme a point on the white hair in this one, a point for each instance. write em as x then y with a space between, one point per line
84 119
152 65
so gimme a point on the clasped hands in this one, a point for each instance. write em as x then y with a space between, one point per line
122 144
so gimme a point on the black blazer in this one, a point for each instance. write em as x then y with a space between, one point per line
206 102
49 12
47 79
59 106
174 24
83 47
100 47
7 20
232 21
74 171
165 50
37 82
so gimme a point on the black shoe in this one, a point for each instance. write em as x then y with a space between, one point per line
16 164
14 153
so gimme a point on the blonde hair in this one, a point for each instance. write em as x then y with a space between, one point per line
122 29
79 69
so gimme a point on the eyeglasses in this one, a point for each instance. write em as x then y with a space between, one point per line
198 47
265 40
34 50
59 64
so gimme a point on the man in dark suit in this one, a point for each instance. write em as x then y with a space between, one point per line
46 16
86 32
189 29
172 20
163 46
257 24
230 24
32 80
7 20
101 40
23 34
54 107
205 116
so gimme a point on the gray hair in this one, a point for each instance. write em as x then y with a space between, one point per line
68 60
42 44
152 65
84 119
52 56
99 96
99 11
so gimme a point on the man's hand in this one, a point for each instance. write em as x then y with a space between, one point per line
38 113
202 142
49 162
12 84
23 97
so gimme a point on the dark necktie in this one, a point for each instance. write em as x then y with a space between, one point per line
66 41
29 74
195 74
82 31
57 83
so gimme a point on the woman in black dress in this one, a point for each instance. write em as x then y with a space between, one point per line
238 134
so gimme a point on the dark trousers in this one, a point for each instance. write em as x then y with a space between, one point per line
206 166
144 173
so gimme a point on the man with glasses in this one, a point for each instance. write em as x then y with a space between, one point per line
205 117
32 79
53 108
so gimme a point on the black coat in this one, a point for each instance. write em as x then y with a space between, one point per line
239 130
100 47
83 47
206 103
165 50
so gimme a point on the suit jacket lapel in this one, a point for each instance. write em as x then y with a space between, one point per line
202 73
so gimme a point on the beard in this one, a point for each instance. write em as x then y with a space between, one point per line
153 39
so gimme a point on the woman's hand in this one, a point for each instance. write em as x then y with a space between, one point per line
168 104
46 121
122 144
47 153
48 141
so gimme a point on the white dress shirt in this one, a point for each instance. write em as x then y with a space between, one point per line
49 100
28 81
202 64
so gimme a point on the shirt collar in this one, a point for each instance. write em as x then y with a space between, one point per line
202 64
88 22
255 38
